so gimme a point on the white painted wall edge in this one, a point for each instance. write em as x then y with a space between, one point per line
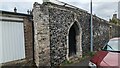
11 18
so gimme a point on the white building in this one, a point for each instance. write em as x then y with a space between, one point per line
119 9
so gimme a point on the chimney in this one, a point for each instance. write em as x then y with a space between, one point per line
28 11
15 10
46 0
114 16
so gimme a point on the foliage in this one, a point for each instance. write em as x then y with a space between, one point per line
115 21
67 62
89 54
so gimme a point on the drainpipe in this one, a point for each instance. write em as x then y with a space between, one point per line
33 39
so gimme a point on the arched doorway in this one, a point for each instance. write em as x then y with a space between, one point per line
72 41
74 47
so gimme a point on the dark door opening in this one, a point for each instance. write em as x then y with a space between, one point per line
72 41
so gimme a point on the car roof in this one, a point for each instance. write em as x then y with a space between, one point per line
116 38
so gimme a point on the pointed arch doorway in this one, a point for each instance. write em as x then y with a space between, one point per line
74 47
72 41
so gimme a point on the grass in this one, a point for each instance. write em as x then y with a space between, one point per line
66 62
89 54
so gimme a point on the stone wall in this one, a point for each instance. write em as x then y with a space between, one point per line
42 35
52 24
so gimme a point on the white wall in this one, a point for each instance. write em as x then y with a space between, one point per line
12 41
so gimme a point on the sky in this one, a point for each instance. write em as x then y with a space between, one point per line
102 8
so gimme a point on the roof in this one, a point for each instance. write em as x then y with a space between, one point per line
12 16
13 13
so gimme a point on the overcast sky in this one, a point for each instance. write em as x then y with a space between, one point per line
102 8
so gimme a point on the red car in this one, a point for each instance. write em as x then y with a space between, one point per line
108 57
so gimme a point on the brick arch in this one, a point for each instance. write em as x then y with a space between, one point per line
78 38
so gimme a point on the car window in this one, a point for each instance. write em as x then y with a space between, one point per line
112 45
